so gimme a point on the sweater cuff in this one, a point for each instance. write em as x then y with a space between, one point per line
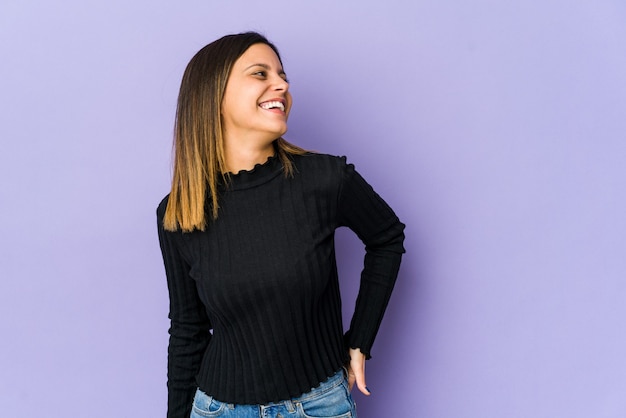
349 342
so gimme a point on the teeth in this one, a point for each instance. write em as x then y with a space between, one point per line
273 105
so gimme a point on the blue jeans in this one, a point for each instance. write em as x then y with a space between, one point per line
331 399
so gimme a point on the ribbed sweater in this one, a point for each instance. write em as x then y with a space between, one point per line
263 278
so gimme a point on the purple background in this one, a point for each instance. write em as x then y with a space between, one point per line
495 129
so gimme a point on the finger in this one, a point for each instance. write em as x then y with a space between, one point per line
360 381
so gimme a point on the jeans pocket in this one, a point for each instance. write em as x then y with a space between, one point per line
336 403
205 406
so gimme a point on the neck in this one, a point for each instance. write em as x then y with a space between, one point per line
240 158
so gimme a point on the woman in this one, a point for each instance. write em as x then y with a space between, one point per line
246 235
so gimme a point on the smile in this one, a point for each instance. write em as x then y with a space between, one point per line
273 105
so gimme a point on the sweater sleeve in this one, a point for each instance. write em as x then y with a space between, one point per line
189 326
375 223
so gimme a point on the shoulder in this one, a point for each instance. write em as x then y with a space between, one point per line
323 172
160 211
320 163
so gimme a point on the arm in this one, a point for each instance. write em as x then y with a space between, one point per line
189 329
375 223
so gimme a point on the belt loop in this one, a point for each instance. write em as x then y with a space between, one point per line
289 406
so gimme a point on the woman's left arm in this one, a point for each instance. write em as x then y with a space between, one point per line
368 215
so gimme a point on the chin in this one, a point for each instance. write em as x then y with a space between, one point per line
277 133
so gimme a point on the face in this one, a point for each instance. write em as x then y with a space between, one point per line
256 102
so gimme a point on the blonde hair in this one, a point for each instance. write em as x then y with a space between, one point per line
199 158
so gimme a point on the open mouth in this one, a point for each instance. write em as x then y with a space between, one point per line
273 104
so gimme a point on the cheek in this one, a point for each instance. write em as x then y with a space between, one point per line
226 105
235 105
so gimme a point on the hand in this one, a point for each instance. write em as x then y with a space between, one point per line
356 371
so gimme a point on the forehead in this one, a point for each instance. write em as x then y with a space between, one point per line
259 54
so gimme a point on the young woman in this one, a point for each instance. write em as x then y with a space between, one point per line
246 235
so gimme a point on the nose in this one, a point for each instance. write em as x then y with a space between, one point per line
280 84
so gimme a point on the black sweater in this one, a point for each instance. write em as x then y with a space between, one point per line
263 278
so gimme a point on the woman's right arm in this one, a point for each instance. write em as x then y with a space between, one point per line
189 325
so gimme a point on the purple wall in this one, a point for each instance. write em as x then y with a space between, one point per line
495 129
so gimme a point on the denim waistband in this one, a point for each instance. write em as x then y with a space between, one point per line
202 400
329 384
324 387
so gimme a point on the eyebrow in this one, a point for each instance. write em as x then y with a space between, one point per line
267 67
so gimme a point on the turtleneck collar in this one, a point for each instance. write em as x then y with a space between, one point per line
259 174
